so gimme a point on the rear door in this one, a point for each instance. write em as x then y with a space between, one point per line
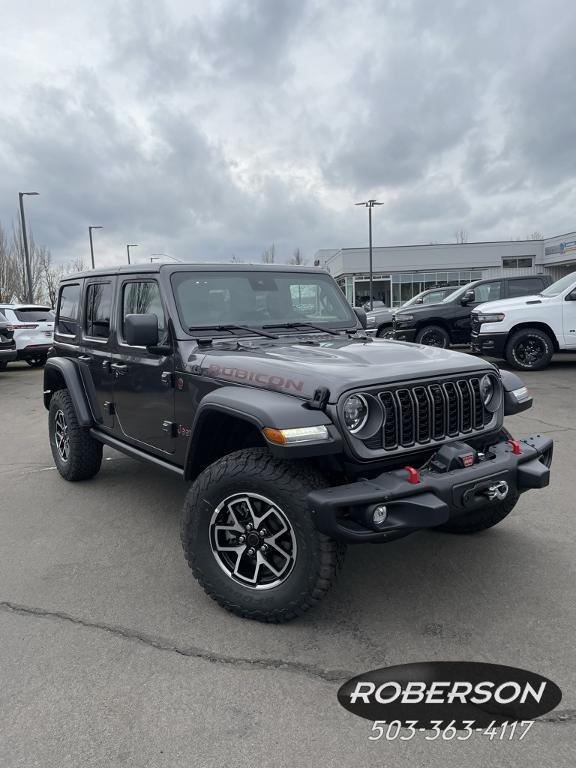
95 346
143 382
524 286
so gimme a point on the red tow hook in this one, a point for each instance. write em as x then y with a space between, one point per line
413 476
516 449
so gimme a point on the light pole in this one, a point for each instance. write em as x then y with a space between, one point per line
131 245
25 242
370 204
91 243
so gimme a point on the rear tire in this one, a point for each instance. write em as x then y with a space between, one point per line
481 519
433 336
76 454
253 488
3 365
529 349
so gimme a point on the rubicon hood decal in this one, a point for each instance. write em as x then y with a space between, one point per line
448 691
340 365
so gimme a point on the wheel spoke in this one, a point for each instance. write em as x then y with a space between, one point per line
256 550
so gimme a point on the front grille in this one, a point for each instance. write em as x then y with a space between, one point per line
423 414
475 323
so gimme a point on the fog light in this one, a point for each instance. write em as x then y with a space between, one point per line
379 515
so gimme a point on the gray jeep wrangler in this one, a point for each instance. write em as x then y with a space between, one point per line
298 433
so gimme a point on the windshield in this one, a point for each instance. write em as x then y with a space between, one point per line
259 298
459 292
560 285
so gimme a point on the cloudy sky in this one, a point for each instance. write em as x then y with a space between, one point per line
207 129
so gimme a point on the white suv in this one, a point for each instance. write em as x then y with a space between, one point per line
528 330
33 326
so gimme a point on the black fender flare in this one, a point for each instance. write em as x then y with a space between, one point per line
67 369
511 382
263 408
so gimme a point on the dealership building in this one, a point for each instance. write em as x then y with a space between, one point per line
400 272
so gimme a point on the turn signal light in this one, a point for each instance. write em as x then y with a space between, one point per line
297 435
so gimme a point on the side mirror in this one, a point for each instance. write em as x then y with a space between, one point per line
361 315
141 330
468 297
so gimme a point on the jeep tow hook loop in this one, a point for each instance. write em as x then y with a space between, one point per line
413 476
516 449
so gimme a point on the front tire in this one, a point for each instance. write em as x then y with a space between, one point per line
76 454
529 349
385 332
433 336
250 539
481 519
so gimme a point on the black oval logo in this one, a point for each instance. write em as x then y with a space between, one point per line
450 690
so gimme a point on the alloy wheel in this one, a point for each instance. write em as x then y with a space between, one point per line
253 541
61 435
530 351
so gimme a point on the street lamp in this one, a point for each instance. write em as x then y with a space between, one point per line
25 242
91 244
131 245
370 204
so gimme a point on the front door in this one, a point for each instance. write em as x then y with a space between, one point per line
569 319
94 348
143 388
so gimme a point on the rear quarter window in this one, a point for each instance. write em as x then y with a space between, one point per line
68 310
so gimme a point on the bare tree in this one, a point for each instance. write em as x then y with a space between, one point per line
536 235
51 275
297 257
461 235
235 260
17 249
76 265
268 256
8 269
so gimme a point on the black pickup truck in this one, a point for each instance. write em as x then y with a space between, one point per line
450 321
298 432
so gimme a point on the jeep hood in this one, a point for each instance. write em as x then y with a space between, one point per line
299 368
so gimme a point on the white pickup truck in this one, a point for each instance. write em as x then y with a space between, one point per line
527 331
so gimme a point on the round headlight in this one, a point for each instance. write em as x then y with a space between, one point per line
490 392
355 413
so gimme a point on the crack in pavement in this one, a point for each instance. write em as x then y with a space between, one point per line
195 652
241 662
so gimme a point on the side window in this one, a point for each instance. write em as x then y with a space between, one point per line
143 298
488 292
98 306
68 305
524 287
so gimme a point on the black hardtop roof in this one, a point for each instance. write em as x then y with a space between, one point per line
140 269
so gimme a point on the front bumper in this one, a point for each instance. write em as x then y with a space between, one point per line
344 512
405 334
489 344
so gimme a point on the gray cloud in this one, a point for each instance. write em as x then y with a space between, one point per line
206 131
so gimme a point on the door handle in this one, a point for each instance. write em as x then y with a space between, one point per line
85 358
119 367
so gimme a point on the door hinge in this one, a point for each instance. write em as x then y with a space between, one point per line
109 408
167 379
170 428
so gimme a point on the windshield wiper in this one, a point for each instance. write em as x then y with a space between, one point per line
303 325
232 328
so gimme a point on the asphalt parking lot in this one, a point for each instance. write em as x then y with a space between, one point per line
110 653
